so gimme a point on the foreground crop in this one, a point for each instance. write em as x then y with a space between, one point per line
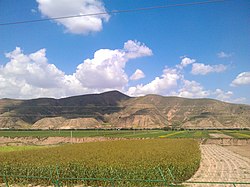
172 159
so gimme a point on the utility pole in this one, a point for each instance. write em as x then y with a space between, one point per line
71 136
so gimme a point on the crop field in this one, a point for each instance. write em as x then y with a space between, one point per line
150 159
237 134
83 133
18 148
125 133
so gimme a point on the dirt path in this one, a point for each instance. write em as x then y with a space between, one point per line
219 164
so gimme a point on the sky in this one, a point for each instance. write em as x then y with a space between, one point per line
194 51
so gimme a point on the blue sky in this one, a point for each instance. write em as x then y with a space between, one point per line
190 51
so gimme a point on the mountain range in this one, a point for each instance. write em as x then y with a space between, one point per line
117 110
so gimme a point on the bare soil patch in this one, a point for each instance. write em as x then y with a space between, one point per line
51 140
243 150
219 164
226 141
219 135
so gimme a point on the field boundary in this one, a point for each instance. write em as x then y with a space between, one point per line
60 140
225 141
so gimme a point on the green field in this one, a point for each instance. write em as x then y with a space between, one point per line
124 159
237 134
126 133
83 133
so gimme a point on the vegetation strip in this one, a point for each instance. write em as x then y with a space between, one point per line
125 159
125 133
172 134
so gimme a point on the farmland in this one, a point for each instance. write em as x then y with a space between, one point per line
128 158
237 134
125 133
18 148
124 159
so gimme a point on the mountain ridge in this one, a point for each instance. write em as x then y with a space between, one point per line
114 109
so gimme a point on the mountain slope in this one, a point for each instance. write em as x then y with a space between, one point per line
86 106
179 112
116 110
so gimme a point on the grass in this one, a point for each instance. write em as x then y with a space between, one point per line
87 133
239 134
125 133
79 133
171 134
126 159
187 134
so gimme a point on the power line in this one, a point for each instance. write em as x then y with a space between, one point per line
114 12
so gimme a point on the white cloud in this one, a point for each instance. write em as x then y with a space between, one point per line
76 25
222 95
172 82
241 100
185 61
135 49
138 74
32 69
160 85
193 89
227 96
202 69
106 69
30 75
242 79
223 55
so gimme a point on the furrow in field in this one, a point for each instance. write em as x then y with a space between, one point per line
219 164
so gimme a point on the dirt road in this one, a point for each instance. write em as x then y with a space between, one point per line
221 165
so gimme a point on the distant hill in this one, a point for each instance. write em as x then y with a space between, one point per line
116 110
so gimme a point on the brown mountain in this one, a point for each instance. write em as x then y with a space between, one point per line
116 110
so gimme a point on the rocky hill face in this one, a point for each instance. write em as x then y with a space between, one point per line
175 112
116 110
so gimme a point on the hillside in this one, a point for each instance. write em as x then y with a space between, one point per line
176 112
116 110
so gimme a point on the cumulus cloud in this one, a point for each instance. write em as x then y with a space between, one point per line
31 75
227 96
32 69
138 74
172 82
193 89
25 75
185 62
222 95
160 85
241 79
222 54
135 49
202 69
106 69
76 25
